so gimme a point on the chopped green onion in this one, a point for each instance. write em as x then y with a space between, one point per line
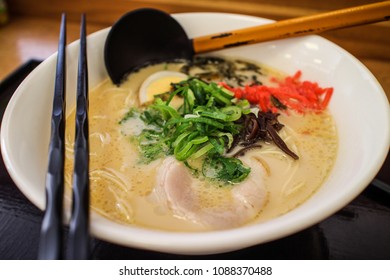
202 128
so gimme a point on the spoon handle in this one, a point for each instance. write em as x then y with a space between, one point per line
312 24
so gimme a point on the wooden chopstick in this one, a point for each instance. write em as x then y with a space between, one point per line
300 26
78 247
50 246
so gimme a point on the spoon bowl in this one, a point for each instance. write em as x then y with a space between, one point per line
144 36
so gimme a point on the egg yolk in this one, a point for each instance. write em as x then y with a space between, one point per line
160 86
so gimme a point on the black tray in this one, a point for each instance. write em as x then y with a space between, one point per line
361 230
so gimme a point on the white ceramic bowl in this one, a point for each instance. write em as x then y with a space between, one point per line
359 106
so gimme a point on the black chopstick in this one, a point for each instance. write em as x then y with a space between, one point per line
51 230
79 224
50 246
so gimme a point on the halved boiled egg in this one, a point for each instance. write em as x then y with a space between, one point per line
158 83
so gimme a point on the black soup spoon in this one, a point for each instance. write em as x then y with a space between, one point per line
147 35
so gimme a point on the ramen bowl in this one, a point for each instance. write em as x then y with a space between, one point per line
359 107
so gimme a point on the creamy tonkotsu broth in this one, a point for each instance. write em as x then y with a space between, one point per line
127 191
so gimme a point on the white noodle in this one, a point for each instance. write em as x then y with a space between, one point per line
294 188
111 176
121 205
104 138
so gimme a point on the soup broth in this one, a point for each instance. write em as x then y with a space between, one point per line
122 188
